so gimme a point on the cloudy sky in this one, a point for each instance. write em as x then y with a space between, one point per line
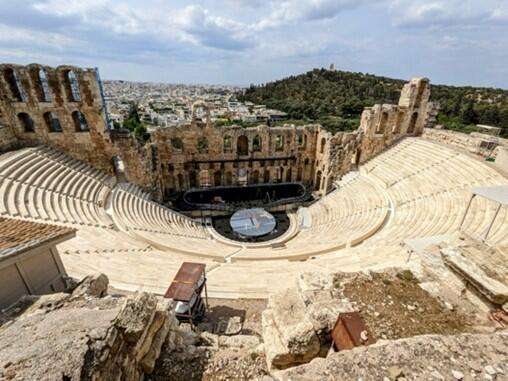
255 41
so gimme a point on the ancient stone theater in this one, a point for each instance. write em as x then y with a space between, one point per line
258 206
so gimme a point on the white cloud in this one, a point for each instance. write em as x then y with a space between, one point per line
446 12
288 12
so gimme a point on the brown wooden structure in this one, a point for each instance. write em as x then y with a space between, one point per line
350 331
186 290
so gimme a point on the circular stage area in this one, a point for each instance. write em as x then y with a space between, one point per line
252 223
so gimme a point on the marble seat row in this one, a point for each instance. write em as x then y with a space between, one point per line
43 184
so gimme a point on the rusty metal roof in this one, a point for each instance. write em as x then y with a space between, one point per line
185 281
19 235
348 331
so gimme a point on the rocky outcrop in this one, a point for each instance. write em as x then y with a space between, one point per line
81 336
298 321
461 357
492 289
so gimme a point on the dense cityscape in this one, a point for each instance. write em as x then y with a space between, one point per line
168 105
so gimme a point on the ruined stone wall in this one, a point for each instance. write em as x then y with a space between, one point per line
60 107
63 108
86 334
475 143
201 153
380 127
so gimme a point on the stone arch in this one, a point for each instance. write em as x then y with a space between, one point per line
257 143
422 86
302 141
52 122
242 145
26 122
180 181
217 178
266 176
289 175
202 144
177 144
382 123
323 144
71 85
80 123
228 144
229 178
193 179
279 143
318 180
398 122
41 84
255 177
14 84
299 174
412 123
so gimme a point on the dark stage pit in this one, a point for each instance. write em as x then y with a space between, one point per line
222 225
246 196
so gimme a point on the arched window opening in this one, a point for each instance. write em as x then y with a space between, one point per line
228 146
421 90
180 181
302 141
382 123
52 122
279 143
318 180
323 144
177 144
255 177
412 123
72 86
80 123
299 174
44 93
193 179
242 145
229 178
202 144
266 178
26 122
398 122
12 79
288 175
217 178
256 143
280 178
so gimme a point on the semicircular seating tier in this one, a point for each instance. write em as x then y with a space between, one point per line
414 189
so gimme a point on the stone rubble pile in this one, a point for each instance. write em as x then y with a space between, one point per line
86 335
298 321
464 357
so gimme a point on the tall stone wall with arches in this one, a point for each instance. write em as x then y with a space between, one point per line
60 107
63 108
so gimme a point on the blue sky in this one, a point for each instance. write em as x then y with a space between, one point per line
255 41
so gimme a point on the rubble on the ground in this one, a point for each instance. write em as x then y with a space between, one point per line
85 335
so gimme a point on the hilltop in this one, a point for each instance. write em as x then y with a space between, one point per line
336 100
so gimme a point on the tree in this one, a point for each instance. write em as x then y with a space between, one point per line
469 115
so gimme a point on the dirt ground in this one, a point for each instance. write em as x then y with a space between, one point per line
199 363
248 309
395 307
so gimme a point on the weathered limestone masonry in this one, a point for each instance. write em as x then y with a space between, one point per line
86 335
475 143
60 107
64 108
380 127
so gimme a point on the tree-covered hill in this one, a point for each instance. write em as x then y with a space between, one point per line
336 99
